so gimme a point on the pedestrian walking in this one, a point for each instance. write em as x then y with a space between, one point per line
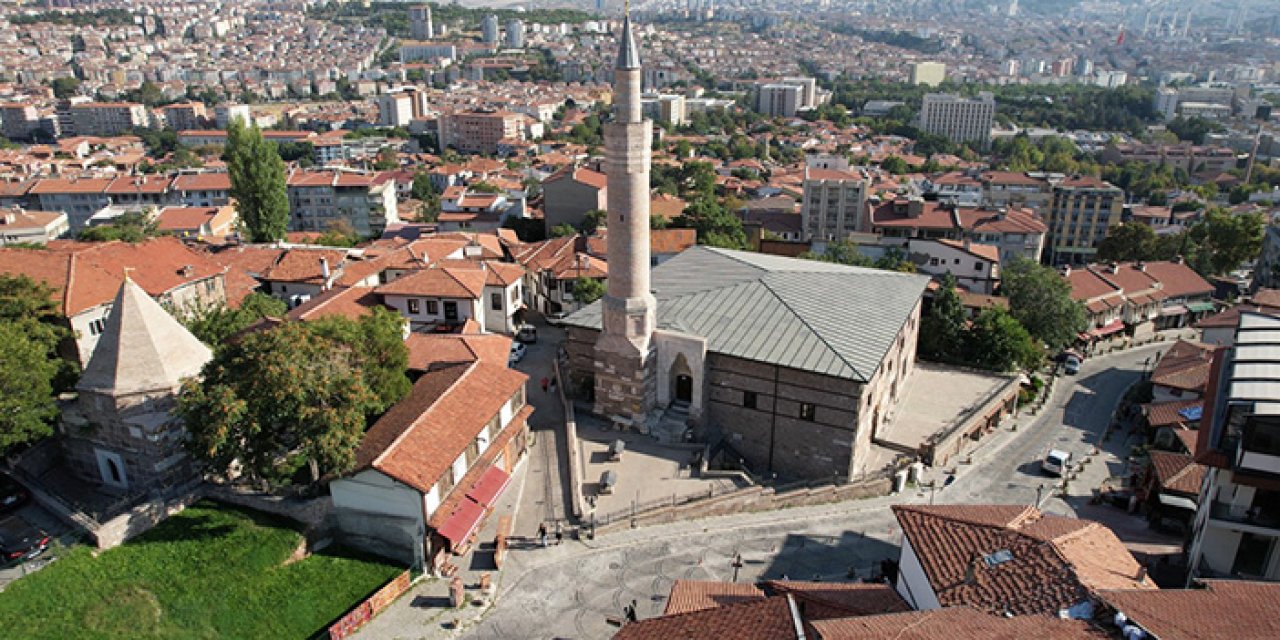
545 382
553 385
559 534
542 534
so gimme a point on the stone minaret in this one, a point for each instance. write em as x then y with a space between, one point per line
624 373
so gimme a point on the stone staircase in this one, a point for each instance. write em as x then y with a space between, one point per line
669 426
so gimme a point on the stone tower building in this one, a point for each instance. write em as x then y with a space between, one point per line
120 432
625 379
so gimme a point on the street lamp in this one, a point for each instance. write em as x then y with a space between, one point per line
737 565
1145 364
1039 492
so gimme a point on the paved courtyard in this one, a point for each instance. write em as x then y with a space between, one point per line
649 473
934 398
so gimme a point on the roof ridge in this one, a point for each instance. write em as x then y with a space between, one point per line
821 338
418 421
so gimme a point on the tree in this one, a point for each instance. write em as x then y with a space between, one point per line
1224 241
26 374
997 341
895 259
593 220
1040 299
276 401
213 325
299 151
31 368
387 159
716 225
895 165
130 227
587 290
941 330
421 188
65 87
257 183
338 233
378 341
1128 242
841 252
563 230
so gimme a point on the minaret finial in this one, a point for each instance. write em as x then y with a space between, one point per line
628 54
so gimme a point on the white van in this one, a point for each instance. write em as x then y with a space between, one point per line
1055 462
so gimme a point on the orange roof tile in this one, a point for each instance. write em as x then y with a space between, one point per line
1184 366
1222 609
418 439
1177 472
954 623
696 595
438 282
765 619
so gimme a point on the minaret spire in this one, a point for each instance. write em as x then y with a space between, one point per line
624 369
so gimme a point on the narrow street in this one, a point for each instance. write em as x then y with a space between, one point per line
570 591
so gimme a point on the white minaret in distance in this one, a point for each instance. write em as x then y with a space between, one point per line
625 386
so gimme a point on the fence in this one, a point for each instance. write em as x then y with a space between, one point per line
572 451
362 613
749 499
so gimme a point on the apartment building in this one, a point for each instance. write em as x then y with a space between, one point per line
426 51
480 131
834 203
927 73
319 199
186 115
399 107
1187 157
778 99
107 118
78 198
1017 189
960 119
19 121
1237 525
223 114
19 226
420 25
668 108
1014 231
1083 209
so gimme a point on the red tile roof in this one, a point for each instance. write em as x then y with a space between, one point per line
86 274
767 619
1177 472
348 302
437 350
1184 366
438 282
1234 609
696 595
1056 561
418 439
303 265
1162 414
954 623
213 181
841 599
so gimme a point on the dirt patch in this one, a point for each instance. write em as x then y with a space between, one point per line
128 612
300 553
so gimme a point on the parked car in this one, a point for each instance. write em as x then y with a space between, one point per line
556 318
12 494
527 334
1071 365
517 353
20 541
1055 462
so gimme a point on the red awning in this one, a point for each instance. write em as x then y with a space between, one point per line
458 527
490 485
1108 329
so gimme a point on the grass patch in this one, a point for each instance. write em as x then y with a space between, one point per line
208 572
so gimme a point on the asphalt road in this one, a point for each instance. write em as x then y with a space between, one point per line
572 590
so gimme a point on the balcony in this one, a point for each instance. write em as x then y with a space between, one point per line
1255 516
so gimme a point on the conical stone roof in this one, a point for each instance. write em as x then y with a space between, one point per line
143 348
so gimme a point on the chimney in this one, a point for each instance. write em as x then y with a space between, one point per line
188 271
971 569
1113 268
1001 212
1179 260
324 270
1140 266
1142 575
1065 270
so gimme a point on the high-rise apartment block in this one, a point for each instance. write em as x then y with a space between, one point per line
787 96
834 203
223 114
928 73
185 116
489 29
399 107
107 118
1083 209
667 108
420 27
480 131
19 121
960 119
515 34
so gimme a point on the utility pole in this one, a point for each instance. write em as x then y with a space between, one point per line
737 565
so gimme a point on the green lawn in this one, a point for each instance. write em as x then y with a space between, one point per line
209 572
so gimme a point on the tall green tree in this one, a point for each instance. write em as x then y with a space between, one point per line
257 183
1128 242
275 402
997 341
378 342
942 329
31 368
841 252
1040 299
1224 241
213 325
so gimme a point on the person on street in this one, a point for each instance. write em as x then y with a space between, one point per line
544 384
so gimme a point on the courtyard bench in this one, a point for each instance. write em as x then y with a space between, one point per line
608 480
616 449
